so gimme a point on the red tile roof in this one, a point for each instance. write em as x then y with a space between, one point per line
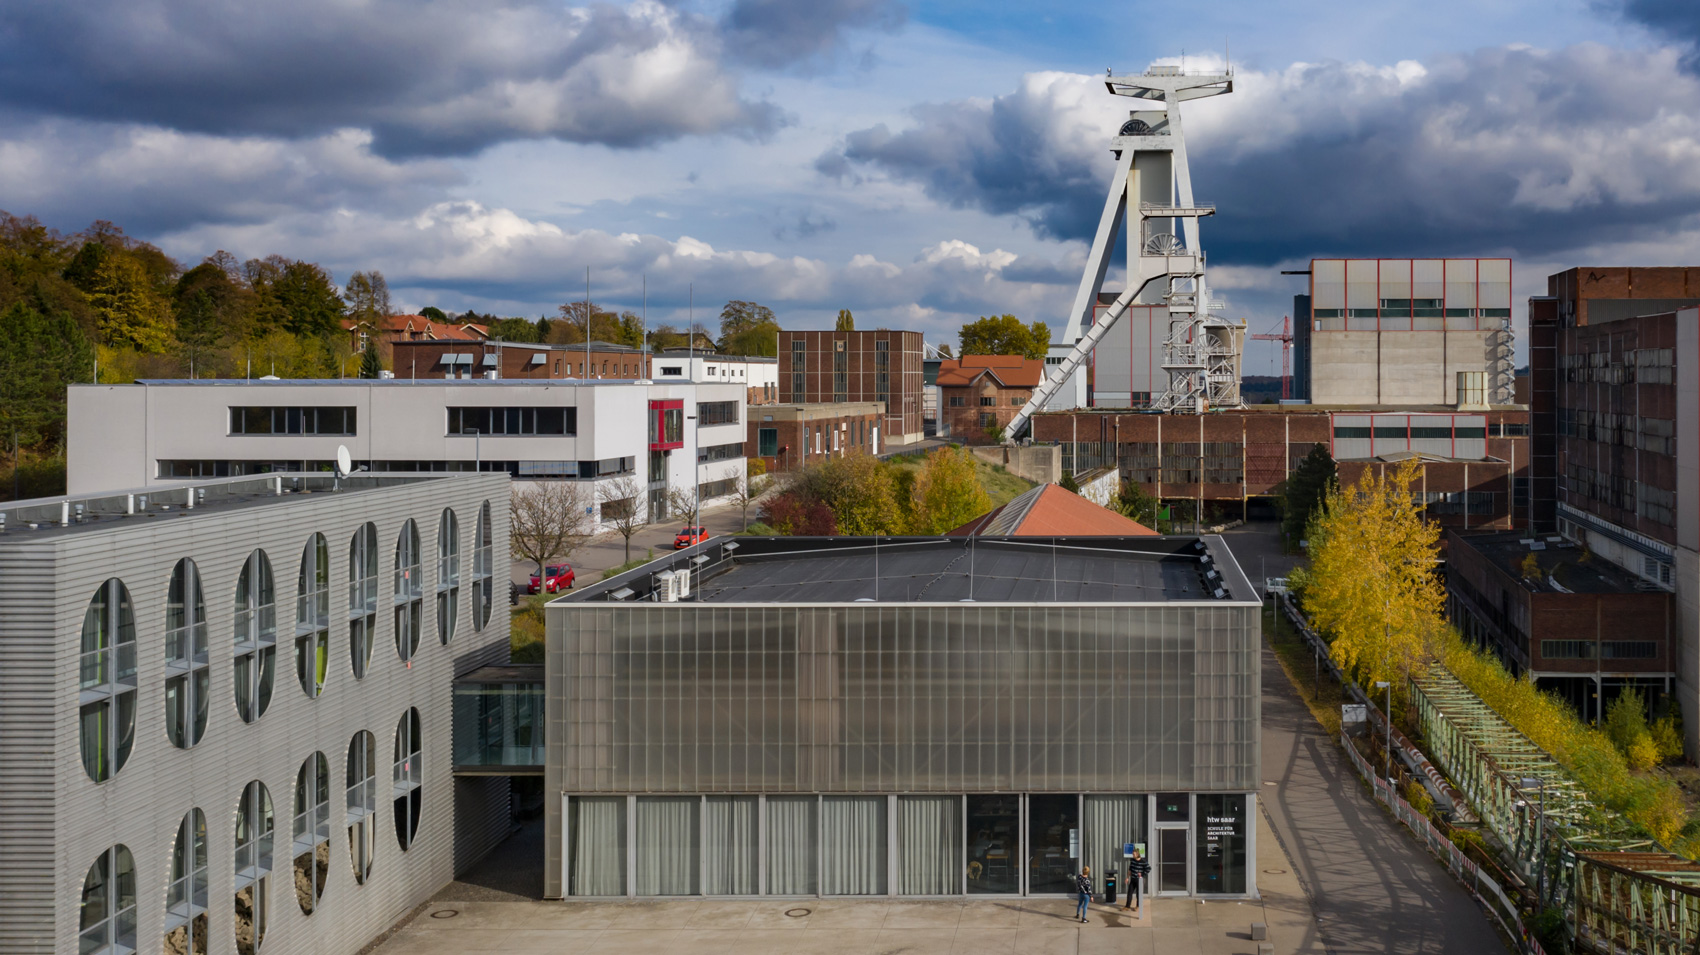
1011 371
1051 511
405 326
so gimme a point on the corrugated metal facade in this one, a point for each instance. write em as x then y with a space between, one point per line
58 821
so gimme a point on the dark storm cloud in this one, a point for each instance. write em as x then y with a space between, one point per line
782 32
1505 149
1680 19
442 77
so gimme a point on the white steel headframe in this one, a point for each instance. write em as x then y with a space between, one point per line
1153 182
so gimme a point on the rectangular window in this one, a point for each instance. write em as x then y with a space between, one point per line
1465 434
958 401
1017 401
672 370
1351 432
297 420
1220 862
767 440
987 401
1567 649
513 421
840 371
1395 432
717 412
1629 650
798 364
720 452
882 371
1442 434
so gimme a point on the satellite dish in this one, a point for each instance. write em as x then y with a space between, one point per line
344 464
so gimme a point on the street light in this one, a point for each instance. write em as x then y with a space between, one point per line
1387 717
1540 785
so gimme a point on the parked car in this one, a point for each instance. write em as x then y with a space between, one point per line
555 577
689 536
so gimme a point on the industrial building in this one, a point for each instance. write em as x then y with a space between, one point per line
1609 349
661 435
1475 465
1391 332
530 361
205 685
789 437
833 367
904 717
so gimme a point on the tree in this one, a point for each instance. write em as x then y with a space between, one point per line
1068 483
947 492
1371 582
296 297
749 329
944 350
794 513
1132 502
128 310
623 509
230 298
197 327
515 330
746 487
1005 335
858 489
44 354
435 314
370 366
1304 492
666 336
846 321
367 297
549 520
683 503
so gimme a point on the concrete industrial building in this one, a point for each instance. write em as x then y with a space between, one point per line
1394 332
1612 358
904 717
661 435
833 367
204 686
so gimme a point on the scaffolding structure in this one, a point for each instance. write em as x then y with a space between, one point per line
1637 902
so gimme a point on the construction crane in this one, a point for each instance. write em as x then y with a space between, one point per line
1286 340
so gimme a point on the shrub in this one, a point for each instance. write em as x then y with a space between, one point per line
1667 736
1643 752
1626 720
1418 797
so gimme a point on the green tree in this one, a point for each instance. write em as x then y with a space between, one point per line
1068 483
1132 502
292 296
514 330
749 329
1304 492
367 297
1005 335
45 353
197 328
230 300
436 314
846 321
857 488
128 311
947 492
370 366
631 330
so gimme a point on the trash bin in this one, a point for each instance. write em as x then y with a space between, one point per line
1110 888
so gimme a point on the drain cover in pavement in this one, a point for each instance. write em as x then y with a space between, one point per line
445 913
796 913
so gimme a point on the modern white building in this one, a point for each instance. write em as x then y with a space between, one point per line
759 375
203 688
660 435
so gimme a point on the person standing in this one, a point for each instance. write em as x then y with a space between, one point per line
1138 870
1083 885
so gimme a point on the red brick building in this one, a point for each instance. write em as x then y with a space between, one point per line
980 393
1578 624
410 328
833 367
475 359
788 436
1235 457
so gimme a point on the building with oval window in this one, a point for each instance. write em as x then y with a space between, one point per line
224 752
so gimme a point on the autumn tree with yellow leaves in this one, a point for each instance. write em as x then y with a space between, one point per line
1371 584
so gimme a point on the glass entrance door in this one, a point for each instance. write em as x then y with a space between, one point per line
994 844
1053 829
1172 861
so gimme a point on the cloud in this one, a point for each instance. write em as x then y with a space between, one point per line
463 254
1503 150
441 77
1678 19
782 32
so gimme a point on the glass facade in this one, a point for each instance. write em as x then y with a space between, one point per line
898 750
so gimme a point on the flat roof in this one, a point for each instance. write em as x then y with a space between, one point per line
1558 558
57 516
422 382
1027 570
1310 409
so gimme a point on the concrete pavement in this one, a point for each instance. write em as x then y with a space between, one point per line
609 549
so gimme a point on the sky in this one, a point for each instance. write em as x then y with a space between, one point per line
920 163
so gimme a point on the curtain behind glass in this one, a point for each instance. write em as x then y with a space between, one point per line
929 845
853 845
791 845
599 845
666 840
729 845
1110 822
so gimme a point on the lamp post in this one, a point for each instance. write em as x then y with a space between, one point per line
1387 717
1540 785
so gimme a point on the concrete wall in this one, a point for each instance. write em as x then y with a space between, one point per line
1040 463
1394 367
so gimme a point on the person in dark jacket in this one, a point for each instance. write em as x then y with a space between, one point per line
1138 870
1083 885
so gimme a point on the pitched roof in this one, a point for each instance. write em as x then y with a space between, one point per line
1051 511
1011 371
411 324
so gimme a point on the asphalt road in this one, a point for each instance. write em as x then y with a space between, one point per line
1373 887
609 549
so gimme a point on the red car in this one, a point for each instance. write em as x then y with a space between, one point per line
689 536
555 577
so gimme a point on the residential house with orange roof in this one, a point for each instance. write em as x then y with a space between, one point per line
980 394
